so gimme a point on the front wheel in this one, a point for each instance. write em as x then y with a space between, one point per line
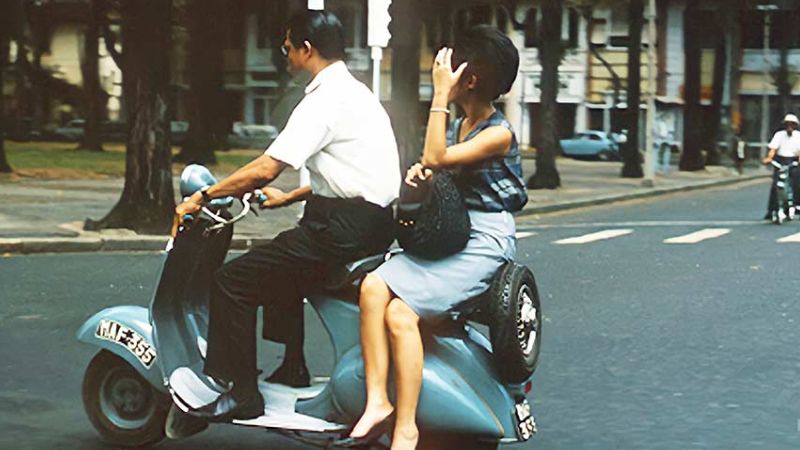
122 406
605 155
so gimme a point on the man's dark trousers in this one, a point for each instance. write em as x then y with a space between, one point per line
331 233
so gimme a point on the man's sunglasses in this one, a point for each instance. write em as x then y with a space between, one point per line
285 50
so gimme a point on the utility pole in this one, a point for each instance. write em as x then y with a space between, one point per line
766 9
378 36
650 156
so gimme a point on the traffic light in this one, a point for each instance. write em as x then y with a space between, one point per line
378 23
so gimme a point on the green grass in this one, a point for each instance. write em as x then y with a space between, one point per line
61 160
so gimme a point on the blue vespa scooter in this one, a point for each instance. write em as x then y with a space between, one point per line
148 372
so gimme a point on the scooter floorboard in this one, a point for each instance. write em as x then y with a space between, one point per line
189 391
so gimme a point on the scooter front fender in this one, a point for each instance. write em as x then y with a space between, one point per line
126 332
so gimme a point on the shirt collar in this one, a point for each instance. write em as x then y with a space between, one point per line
331 72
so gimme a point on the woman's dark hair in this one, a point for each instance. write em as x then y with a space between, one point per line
322 29
491 57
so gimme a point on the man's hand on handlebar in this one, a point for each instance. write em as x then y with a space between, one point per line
767 161
276 198
189 208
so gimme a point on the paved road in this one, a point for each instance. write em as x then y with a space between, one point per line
669 324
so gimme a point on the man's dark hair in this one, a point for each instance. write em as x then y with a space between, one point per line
491 57
322 29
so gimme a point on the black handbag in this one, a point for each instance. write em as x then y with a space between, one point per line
432 219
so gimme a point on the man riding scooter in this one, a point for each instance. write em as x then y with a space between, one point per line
343 135
784 149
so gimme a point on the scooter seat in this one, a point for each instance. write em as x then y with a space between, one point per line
352 273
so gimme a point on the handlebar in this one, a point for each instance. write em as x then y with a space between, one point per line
780 166
247 201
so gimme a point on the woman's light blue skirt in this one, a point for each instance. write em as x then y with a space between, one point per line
433 288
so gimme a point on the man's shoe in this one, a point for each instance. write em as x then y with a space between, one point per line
291 374
181 425
227 408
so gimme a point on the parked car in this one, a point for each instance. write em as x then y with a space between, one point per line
251 136
591 144
71 132
111 131
179 130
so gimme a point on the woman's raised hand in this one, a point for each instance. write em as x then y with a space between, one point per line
417 171
444 78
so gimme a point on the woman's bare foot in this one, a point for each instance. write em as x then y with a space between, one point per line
405 438
372 416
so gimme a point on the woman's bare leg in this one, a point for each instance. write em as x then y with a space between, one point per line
403 324
375 297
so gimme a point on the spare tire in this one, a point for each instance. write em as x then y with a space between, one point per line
515 322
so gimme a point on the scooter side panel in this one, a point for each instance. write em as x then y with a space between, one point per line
340 320
469 354
126 332
448 400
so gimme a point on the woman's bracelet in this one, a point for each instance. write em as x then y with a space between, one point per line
441 110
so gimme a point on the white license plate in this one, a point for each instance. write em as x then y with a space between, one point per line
526 426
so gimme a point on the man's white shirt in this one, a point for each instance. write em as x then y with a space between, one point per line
342 134
788 146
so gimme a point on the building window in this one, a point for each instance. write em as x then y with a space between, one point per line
569 30
783 30
259 111
612 28
569 27
618 28
531 27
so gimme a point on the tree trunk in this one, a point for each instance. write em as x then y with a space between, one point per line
405 108
206 97
734 25
4 38
38 28
691 157
550 52
147 203
782 78
632 165
715 119
93 94
21 85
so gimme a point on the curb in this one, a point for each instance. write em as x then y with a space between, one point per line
36 245
151 243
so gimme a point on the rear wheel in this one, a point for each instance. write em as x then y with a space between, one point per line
122 406
605 155
515 328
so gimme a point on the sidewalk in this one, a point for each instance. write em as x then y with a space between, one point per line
38 216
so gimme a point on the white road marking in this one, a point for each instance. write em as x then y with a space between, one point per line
592 237
791 238
522 225
524 234
698 236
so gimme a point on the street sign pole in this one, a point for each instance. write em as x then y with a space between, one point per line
378 37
